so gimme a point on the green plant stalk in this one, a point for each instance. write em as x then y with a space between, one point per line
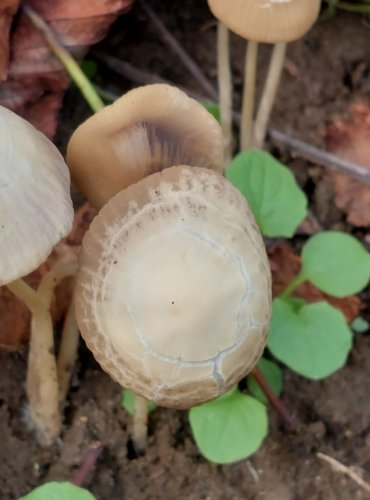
351 7
298 280
69 64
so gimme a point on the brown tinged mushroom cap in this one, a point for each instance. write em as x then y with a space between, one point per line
148 129
269 21
35 204
173 296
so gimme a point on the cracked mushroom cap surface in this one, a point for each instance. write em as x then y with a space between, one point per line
173 296
269 21
145 131
35 205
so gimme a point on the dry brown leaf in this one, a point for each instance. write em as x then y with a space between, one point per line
7 10
36 80
14 316
285 265
350 139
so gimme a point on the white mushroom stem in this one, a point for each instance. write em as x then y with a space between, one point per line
140 424
25 293
269 93
250 69
67 352
42 382
225 89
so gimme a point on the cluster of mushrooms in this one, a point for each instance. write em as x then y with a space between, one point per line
173 287
173 290
276 22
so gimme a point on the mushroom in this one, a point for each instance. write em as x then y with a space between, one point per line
148 129
269 21
173 295
35 213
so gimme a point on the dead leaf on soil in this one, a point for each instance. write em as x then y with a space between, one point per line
285 265
14 316
7 10
350 138
36 80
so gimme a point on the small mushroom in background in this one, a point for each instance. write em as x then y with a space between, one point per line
35 213
173 295
263 21
145 131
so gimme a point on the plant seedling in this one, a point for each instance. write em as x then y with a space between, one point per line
312 339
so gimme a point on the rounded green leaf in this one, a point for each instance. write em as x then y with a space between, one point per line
314 340
273 376
230 428
58 491
336 262
128 402
276 200
360 325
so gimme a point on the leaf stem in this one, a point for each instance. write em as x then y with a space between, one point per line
350 7
298 280
69 64
275 402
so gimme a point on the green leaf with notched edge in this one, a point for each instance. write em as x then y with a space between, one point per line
59 491
273 376
230 428
276 200
336 263
128 402
313 340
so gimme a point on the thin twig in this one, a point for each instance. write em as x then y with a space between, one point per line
88 463
174 45
275 402
339 467
321 157
69 64
140 76
305 150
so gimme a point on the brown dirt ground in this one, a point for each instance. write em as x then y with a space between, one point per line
332 70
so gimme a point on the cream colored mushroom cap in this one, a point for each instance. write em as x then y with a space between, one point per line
173 295
269 21
146 130
35 204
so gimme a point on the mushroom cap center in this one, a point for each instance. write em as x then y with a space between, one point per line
189 308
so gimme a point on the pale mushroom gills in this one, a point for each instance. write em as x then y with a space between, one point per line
174 292
145 131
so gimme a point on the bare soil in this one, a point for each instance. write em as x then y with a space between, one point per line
326 72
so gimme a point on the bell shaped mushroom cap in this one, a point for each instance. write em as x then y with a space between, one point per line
269 21
173 295
35 204
148 129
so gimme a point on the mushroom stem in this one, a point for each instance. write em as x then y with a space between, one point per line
42 382
246 126
225 89
140 424
269 93
67 352
25 293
